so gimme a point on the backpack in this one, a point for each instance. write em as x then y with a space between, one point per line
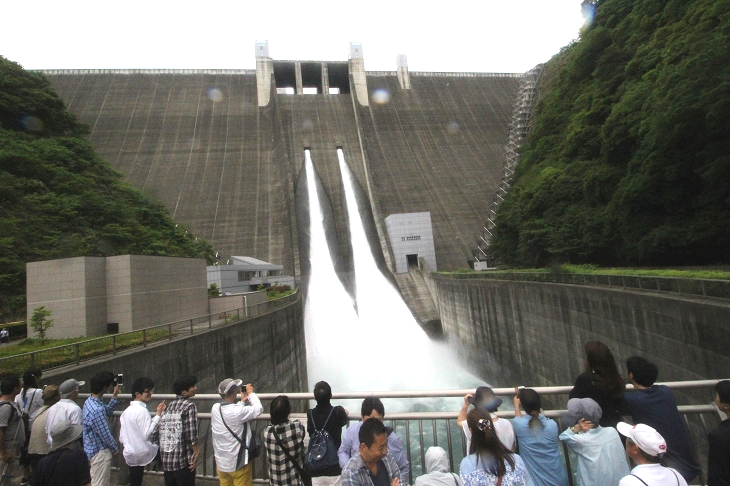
321 452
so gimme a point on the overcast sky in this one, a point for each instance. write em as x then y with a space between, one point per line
451 35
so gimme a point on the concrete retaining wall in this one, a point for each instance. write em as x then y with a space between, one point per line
268 351
535 331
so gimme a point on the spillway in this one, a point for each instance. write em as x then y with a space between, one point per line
373 342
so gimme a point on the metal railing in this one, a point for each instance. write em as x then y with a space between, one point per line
421 430
708 288
75 353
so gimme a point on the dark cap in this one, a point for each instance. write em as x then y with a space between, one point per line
485 399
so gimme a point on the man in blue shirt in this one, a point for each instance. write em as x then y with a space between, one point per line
99 444
655 406
372 407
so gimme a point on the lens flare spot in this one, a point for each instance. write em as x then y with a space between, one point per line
588 10
380 96
32 123
215 95
452 127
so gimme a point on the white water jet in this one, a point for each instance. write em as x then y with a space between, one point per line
379 347
411 361
330 320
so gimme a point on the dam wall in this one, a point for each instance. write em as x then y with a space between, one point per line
533 333
438 147
199 144
268 351
230 170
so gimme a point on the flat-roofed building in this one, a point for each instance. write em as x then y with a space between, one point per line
245 274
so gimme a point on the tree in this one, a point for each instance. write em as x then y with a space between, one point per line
213 290
39 323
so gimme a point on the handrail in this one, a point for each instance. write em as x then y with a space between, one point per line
93 348
419 430
448 393
696 287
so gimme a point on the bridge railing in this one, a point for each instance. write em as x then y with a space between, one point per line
110 344
421 430
708 288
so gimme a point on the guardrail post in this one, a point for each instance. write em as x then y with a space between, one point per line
623 281
78 355
210 321
32 360
144 337
704 293
114 344
657 283
191 326
169 331
639 278
679 288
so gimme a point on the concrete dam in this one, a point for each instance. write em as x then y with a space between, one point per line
224 150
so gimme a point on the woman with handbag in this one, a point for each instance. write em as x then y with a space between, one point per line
489 462
284 442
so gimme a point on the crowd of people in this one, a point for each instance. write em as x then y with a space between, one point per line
57 442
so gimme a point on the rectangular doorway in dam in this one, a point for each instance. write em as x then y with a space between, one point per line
311 77
339 77
412 260
285 76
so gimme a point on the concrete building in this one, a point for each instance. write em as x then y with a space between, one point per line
87 294
411 237
245 274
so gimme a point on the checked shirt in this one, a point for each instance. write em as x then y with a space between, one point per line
356 473
281 471
97 435
178 432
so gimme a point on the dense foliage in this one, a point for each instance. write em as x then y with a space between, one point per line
59 199
628 160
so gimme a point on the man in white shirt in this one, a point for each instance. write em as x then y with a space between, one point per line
646 447
485 399
137 428
232 433
66 408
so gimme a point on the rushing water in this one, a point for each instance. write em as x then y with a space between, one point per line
381 346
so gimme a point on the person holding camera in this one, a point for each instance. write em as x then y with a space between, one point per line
99 444
229 423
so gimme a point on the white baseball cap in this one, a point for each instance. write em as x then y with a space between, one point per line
647 438
225 386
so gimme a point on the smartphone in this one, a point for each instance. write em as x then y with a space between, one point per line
120 379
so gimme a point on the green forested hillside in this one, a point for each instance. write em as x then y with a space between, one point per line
59 199
628 160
